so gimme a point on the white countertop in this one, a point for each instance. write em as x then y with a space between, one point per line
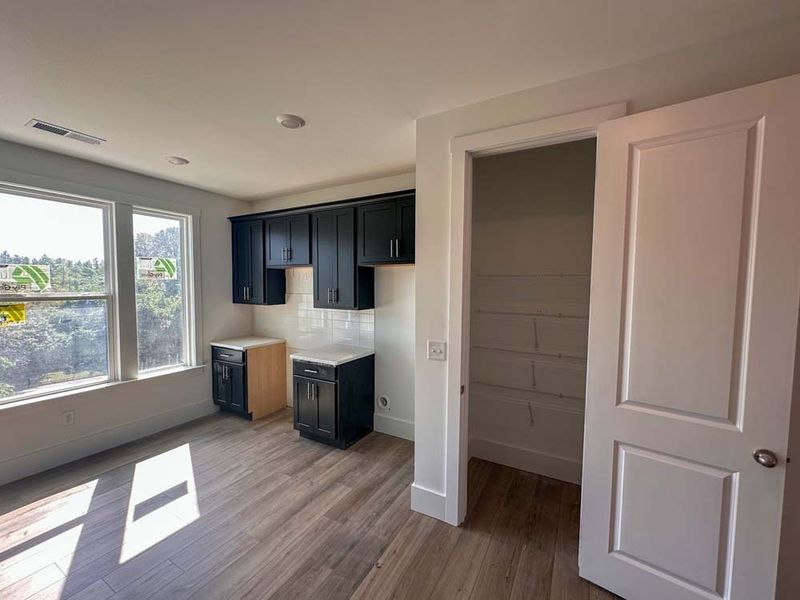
246 343
333 355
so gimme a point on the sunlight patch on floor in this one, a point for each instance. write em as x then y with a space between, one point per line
31 556
163 501
45 515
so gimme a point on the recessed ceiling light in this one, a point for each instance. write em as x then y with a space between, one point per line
291 121
177 160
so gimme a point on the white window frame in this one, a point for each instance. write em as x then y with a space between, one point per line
189 358
120 289
107 295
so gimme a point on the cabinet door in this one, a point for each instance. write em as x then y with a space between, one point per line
220 387
325 258
305 405
248 262
345 284
236 386
404 247
299 240
256 294
242 280
277 241
377 231
326 408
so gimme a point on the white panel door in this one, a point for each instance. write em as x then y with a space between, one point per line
693 319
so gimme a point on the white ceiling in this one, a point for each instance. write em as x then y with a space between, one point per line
204 79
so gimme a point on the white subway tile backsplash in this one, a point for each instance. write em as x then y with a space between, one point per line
366 339
304 326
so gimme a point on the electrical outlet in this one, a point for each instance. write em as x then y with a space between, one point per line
69 417
437 350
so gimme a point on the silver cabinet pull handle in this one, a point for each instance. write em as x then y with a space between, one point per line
391 248
335 295
310 371
397 248
224 355
289 253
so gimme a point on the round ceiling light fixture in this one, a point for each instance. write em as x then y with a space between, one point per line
177 160
290 121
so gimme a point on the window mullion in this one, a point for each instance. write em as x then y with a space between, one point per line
127 358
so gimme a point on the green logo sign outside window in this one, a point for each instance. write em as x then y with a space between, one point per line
11 314
157 267
18 279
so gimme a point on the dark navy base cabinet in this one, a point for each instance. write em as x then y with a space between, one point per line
334 405
229 380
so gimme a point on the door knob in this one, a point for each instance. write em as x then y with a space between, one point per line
766 458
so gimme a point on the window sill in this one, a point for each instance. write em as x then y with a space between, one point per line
35 399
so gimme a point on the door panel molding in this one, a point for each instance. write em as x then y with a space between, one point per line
746 155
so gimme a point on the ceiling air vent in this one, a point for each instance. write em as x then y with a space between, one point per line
64 132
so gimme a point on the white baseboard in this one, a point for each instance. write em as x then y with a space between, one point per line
58 454
428 502
401 428
549 465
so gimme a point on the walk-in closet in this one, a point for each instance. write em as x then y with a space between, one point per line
531 251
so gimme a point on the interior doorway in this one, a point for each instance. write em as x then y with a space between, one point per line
578 127
531 254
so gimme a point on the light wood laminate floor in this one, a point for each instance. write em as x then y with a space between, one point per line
223 508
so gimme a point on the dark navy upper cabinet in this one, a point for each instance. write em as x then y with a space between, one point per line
386 232
248 262
253 283
342 240
289 241
338 281
406 230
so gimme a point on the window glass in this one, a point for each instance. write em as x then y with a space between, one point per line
53 346
49 249
67 240
160 302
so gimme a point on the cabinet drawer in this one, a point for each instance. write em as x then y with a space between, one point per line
314 371
227 355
